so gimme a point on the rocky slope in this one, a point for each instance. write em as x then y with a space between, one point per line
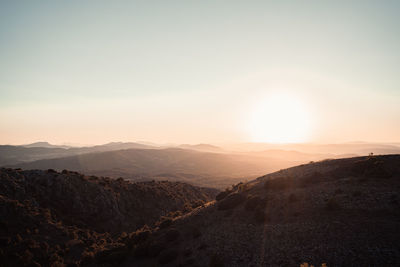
339 212
48 217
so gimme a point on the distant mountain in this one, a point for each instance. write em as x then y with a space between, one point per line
300 156
44 144
48 218
359 148
202 147
10 155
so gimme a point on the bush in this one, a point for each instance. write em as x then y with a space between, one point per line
155 249
259 216
141 250
222 195
187 252
279 183
231 201
332 204
292 198
216 261
172 235
111 256
252 203
141 235
311 179
167 256
165 223
195 232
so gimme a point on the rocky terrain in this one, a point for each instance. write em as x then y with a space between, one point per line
338 212
335 212
50 217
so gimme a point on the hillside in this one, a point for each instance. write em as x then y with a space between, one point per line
198 168
11 155
340 212
45 212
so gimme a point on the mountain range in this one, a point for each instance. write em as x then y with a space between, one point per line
202 164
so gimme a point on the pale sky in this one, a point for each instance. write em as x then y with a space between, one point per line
199 71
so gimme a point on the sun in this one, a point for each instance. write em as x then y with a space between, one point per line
280 118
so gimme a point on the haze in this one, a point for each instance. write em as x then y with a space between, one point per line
199 72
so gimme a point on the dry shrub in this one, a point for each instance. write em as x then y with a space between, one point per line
172 235
216 261
166 222
231 201
222 195
332 204
167 256
259 216
252 203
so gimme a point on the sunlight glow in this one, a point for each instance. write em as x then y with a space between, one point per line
280 118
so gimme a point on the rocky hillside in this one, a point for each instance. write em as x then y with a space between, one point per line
48 217
339 212
335 212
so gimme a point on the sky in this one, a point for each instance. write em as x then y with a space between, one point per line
91 72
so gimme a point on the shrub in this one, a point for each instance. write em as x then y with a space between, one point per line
338 191
292 198
259 216
51 171
332 204
231 201
155 249
114 256
311 179
243 187
165 223
216 261
187 252
195 232
197 204
202 246
167 256
187 207
141 250
189 261
141 235
222 195
252 203
279 183
172 235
